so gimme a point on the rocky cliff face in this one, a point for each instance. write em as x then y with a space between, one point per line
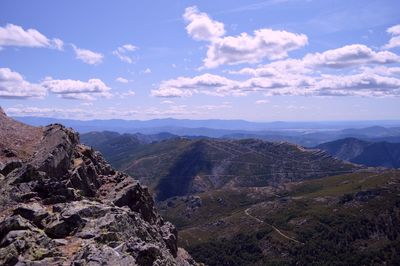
61 203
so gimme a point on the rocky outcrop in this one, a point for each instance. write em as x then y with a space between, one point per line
63 204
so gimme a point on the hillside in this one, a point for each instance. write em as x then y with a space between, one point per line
61 203
350 219
363 152
251 202
199 165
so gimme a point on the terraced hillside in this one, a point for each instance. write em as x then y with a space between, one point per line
199 165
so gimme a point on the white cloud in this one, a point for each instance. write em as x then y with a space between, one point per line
170 92
13 35
262 101
186 86
122 53
122 80
201 27
13 85
129 93
350 55
364 84
126 94
377 82
147 71
395 39
244 48
76 89
129 47
277 68
265 43
87 56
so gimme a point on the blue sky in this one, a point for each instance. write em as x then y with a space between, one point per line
255 60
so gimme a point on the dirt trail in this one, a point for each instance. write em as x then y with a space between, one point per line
273 227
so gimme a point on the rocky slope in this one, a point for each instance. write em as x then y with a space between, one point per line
61 203
364 152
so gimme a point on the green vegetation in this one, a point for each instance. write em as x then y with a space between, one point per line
351 219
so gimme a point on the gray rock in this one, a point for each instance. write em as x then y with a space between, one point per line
65 205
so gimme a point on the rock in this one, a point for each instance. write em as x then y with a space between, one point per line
64 226
33 212
137 199
9 166
92 255
170 236
61 203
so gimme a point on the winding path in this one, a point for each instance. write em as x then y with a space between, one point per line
273 227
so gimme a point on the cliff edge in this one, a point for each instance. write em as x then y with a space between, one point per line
61 203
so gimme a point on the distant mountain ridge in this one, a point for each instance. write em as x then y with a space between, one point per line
308 134
206 123
364 152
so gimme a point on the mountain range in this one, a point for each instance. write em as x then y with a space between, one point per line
234 200
206 164
253 202
307 134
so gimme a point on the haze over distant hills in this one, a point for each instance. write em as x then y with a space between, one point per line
363 152
307 134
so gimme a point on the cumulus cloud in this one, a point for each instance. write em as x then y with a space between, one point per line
201 27
265 43
87 56
363 84
123 95
376 82
350 55
147 71
244 48
13 85
123 51
122 80
186 86
14 35
76 89
262 101
395 39
277 68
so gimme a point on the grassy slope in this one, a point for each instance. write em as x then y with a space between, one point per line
346 219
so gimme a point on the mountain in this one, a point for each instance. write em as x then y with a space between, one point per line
61 203
115 147
252 202
363 152
124 126
307 134
199 165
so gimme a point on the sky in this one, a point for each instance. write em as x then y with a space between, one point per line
287 60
